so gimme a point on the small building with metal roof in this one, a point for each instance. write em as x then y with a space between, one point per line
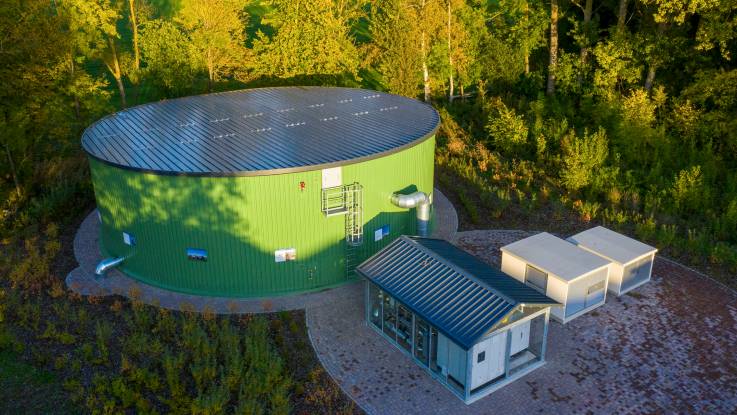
260 192
469 325
632 260
564 272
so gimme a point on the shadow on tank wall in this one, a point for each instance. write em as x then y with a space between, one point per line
224 217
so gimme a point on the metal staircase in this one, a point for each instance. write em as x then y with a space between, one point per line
347 200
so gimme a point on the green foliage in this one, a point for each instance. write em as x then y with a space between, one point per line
616 67
170 57
688 191
216 36
507 130
33 272
311 38
582 158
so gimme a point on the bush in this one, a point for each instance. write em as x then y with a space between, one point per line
582 158
33 272
506 130
688 191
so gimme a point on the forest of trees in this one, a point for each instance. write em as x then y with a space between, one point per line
556 115
624 111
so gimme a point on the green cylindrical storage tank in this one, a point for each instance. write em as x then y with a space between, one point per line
259 192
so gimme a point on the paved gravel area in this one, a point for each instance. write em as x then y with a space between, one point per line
667 347
83 281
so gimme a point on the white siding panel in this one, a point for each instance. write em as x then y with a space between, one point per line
513 266
520 337
493 364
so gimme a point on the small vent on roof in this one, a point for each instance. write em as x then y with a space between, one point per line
388 108
224 135
344 101
261 130
360 113
371 96
256 114
295 124
187 124
315 105
285 110
329 118
220 119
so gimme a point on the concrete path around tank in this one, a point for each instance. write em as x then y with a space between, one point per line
667 347
82 279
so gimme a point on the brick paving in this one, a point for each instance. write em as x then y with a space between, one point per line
667 347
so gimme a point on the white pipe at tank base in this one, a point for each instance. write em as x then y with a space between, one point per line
106 264
419 200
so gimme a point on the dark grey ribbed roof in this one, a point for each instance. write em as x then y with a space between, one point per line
456 292
260 131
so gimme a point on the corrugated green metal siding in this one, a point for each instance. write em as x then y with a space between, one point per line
241 221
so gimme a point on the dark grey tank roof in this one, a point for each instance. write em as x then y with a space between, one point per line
260 131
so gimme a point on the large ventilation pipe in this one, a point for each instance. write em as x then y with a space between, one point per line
419 200
106 264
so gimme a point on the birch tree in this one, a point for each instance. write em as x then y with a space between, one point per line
553 64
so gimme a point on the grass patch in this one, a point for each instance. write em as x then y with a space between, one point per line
25 389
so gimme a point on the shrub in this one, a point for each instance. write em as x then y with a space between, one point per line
33 272
582 158
688 190
506 130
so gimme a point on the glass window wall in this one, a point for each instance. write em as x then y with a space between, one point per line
375 299
422 340
390 317
404 328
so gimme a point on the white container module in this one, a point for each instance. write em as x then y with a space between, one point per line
564 272
632 260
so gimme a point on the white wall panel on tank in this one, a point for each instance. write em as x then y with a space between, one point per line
492 365
332 177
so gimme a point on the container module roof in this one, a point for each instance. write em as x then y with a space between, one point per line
611 245
556 256
260 131
453 290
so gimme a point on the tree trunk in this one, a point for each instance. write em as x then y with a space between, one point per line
77 112
587 11
425 72
650 77
210 70
450 57
653 66
463 95
114 68
134 26
622 16
550 90
526 51
13 172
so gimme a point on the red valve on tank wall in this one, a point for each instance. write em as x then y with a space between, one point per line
302 186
